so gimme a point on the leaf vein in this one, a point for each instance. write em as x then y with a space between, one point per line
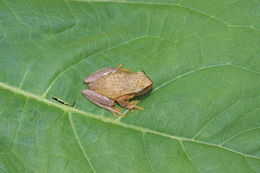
146 153
249 165
188 156
15 16
19 123
214 117
202 68
118 123
173 5
24 76
80 144
55 78
240 133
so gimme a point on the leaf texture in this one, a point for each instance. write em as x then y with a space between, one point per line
201 116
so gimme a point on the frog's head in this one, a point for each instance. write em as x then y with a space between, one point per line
145 82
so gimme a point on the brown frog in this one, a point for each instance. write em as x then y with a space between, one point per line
110 85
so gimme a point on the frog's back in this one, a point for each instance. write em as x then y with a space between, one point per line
118 84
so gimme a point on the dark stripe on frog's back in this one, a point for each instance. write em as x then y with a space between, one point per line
117 84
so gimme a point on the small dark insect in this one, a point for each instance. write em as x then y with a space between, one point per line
62 102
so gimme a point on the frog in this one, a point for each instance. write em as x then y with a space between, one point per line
109 86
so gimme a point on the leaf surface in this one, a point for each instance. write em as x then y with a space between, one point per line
202 115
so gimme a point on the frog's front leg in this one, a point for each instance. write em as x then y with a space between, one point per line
124 102
102 101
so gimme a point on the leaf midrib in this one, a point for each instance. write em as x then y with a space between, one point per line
113 121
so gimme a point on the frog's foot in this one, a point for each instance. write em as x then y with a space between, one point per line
120 65
115 116
133 105
123 101
134 102
137 107
122 69
116 111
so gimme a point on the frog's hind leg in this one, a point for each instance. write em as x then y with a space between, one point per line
104 72
102 101
100 73
124 102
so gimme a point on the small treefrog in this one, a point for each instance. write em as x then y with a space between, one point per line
110 85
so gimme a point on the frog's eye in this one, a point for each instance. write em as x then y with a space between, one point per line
145 90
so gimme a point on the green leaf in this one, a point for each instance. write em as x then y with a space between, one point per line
202 115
